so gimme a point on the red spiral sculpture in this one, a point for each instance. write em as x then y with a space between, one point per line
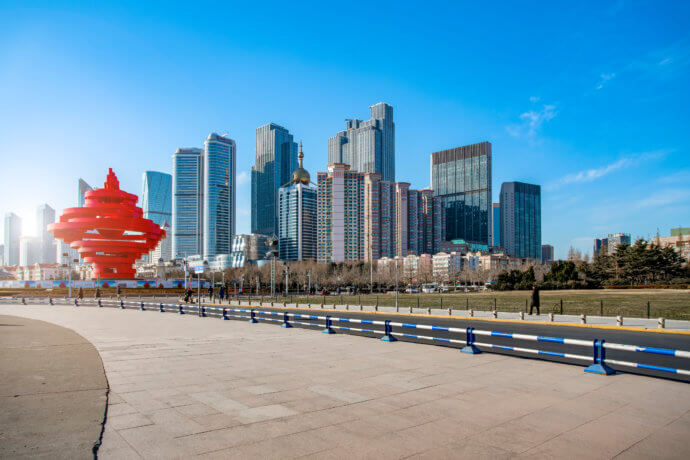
109 232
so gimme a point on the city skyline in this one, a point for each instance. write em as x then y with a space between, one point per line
599 128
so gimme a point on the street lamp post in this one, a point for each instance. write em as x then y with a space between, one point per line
396 284
309 287
287 278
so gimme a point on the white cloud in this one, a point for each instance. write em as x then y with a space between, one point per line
678 176
589 175
532 121
605 77
242 178
664 198
534 99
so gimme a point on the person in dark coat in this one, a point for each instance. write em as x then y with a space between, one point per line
535 299
80 294
221 293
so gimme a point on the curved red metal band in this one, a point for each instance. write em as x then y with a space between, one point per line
109 232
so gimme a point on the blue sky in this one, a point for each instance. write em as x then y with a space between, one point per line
590 99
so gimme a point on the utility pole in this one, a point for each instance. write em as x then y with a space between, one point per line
371 266
309 278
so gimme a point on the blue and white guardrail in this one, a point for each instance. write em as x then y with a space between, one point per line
598 360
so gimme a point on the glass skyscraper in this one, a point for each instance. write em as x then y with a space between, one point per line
156 196
367 146
496 225
219 195
45 215
187 203
462 178
83 187
12 230
275 160
521 219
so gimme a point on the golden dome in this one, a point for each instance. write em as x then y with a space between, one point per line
301 175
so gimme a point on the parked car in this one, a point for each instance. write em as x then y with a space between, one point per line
412 290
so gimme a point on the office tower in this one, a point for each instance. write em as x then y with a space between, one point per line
521 219
275 160
83 187
546 253
163 252
2 255
609 244
187 206
462 178
13 228
29 250
339 214
219 195
297 216
496 224
247 249
45 215
367 146
156 197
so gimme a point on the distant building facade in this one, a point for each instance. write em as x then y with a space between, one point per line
156 197
275 160
461 177
29 250
546 253
247 249
521 219
12 231
496 225
367 146
45 215
679 240
446 266
611 242
219 195
163 251
187 202
82 188
377 218
297 216
340 220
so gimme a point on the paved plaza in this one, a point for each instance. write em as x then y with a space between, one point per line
183 386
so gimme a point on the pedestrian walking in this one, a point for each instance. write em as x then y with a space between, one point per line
221 292
535 299
80 294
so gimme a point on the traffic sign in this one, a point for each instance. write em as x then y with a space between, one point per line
198 269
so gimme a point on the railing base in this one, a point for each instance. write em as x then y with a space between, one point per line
388 338
471 349
328 330
598 368
286 325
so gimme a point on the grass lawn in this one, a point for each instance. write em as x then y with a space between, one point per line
667 303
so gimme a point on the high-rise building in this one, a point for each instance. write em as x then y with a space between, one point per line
156 197
297 216
275 160
45 215
187 203
83 187
248 248
2 255
546 253
12 230
65 254
29 250
163 252
496 225
362 216
521 219
462 178
340 222
367 146
219 195
611 242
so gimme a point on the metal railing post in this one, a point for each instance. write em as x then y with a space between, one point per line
252 316
328 329
387 337
286 323
598 360
470 347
